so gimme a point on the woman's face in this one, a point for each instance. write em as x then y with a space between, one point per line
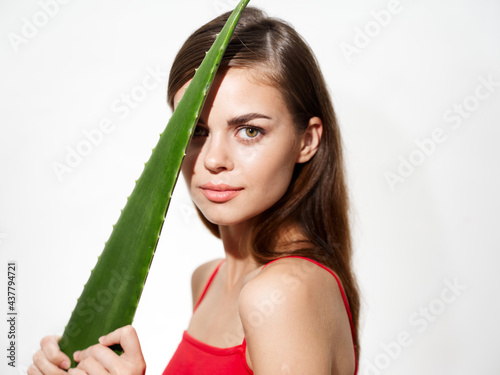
243 151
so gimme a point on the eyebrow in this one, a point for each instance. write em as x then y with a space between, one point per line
242 118
246 118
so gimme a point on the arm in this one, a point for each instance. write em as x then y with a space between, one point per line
295 321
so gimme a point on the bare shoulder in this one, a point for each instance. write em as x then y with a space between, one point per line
294 316
200 277
299 281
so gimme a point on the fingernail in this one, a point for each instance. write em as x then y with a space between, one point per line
76 355
65 364
100 339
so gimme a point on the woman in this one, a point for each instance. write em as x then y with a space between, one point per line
265 171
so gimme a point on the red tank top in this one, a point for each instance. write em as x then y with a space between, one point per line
194 357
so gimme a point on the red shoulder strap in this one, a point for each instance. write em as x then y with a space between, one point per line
208 284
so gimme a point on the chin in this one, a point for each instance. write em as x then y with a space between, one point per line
224 220
225 216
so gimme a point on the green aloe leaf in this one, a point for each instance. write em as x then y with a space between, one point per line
110 296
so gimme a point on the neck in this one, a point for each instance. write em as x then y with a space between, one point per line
239 261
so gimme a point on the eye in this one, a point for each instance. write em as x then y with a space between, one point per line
250 132
200 131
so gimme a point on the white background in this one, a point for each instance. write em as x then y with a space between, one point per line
440 225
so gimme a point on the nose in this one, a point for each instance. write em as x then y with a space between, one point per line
217 156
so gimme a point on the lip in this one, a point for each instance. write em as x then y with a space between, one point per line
219 193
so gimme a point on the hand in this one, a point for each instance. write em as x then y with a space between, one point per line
49 360
99 359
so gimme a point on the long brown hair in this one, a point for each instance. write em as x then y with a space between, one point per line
316 202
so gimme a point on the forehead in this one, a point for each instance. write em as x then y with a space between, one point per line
240 87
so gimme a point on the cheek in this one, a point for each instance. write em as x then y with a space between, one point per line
278 178
188 166
271 172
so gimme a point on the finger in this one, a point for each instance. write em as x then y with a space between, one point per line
76 371
53 353
127 338
102 354
33 370
118 336
45 366
92 366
